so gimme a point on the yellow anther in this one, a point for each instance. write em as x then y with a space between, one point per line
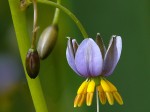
90 90
81 100
105 86
113 88
99 88
85 89
110 98
102 95
91 87
89 99
82 87
118 97
77 100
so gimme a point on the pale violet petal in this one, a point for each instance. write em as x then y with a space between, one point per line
70 55
112 55
88 58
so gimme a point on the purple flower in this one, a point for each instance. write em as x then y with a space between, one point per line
91 59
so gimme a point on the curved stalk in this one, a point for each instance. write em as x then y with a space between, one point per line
78 23
56 16
33 45
20 25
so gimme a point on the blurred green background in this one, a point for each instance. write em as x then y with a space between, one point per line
129 19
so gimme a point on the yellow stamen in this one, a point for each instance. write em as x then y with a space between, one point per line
99 88
82 87
91 87
102 95
118 97
110 98
113 88
81 100
90 90
105 86
81 93
107 89
77 100
89 99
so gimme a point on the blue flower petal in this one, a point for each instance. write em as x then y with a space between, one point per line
70 53
112 55
88 58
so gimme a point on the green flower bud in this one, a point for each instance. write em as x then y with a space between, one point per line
47 41
32 63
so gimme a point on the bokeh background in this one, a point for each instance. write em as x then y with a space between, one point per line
127 18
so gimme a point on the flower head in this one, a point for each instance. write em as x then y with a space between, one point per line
91 60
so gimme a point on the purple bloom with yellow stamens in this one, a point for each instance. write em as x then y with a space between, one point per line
91 60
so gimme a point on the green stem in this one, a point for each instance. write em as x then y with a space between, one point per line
78 23
33 44
20 25
56 16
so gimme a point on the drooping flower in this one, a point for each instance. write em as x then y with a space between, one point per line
91 60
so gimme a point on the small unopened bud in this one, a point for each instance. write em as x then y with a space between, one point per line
32 63
47 41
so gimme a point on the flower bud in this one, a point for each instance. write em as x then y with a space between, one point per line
32 63
47 41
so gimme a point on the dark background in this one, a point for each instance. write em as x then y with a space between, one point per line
129 19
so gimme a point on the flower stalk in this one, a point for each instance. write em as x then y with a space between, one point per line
69 13
49 36
56 15
35 28
24 44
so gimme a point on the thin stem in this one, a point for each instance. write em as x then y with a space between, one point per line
34 24
78 23
56 16
20 25
97 100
